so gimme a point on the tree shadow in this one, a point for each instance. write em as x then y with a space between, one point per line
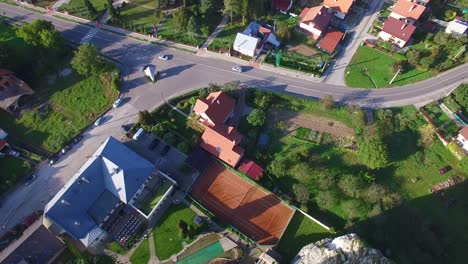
173 71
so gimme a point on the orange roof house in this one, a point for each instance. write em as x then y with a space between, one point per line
340 7
223 142
215 109
315 20
330 41
407 9
11 89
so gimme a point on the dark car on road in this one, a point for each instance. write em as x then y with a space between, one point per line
65 149
30 179
153 144
53 160
445 170
165 150
77 139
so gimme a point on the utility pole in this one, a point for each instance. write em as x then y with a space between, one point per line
398 72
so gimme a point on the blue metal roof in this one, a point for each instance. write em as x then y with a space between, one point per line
114 168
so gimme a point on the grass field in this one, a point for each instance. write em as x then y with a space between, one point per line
141 17
300 232
115 247
167 239
436 114
142 253
154 200
166 31
225 39
12 170
77 8
367 58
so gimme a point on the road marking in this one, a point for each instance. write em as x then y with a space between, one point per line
89 36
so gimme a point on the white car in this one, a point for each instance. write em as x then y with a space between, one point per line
163 57
237 68
98 121
117 103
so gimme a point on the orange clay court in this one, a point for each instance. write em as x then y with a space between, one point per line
254 212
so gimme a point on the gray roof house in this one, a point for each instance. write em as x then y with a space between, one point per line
109 181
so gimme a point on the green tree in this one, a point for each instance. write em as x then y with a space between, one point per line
326 199
181 18
262 101
352 209
91 9
464 163
461 95
373 193
279 166
351 185
283 32
192 27
41 33
301 193
244 10
232 7
87 60
373 153
427 133
427 62
183 228
257 117
145 118
208 7
414 55
328 102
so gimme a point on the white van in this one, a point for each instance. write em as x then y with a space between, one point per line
138 133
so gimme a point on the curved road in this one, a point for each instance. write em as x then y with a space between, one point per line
184 72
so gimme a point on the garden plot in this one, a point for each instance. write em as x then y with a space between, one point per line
304 50
295 120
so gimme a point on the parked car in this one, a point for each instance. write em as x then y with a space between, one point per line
98 121
117 103
165 150
237 68
164 57
14 153
65 149
445 170
53 160
77 139
153 144
126 128
30 179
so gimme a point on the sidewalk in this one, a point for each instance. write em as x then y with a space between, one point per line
215 32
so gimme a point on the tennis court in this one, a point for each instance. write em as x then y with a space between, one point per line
204 255
256 213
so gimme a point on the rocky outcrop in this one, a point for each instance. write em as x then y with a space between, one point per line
347 249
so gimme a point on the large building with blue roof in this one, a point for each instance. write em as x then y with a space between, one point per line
101 196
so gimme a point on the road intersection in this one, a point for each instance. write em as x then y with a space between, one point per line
183 73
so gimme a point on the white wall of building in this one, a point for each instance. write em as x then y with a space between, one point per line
310 27
463 141
387 37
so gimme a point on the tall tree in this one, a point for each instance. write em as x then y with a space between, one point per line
181 18
256 118
207 6
283 32
192 27
231 7
245 8
373 153
91 9
87 60
42 34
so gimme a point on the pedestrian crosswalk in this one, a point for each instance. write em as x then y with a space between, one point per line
87 38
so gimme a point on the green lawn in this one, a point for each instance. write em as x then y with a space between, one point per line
77 8
154 200
436 114
142 253
12 170
300 232
137 17
225 39
166 31
167 239
368 58
147 3
115 247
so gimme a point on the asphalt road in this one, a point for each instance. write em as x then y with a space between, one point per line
184 72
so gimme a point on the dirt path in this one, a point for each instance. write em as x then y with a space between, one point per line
321 124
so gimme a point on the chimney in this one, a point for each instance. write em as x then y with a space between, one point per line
85 180
217 101
65 202
234 142
412 7
320 13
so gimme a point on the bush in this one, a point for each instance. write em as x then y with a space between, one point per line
257 117
170 138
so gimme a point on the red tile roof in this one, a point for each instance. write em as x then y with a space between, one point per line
408 9
252 169
222 141
342 6
330 41
282 4
398 28
318 15
464 132
217 106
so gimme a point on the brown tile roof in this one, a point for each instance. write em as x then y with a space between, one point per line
217 106
222 141
342 6
398 28
408 9
464 132
318 15
330 41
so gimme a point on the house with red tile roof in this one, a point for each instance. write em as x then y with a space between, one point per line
405 9
11 89
223 141
462 138
219 139
397 31
215 109
282 5
340 7
252 169
315 20
331 40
